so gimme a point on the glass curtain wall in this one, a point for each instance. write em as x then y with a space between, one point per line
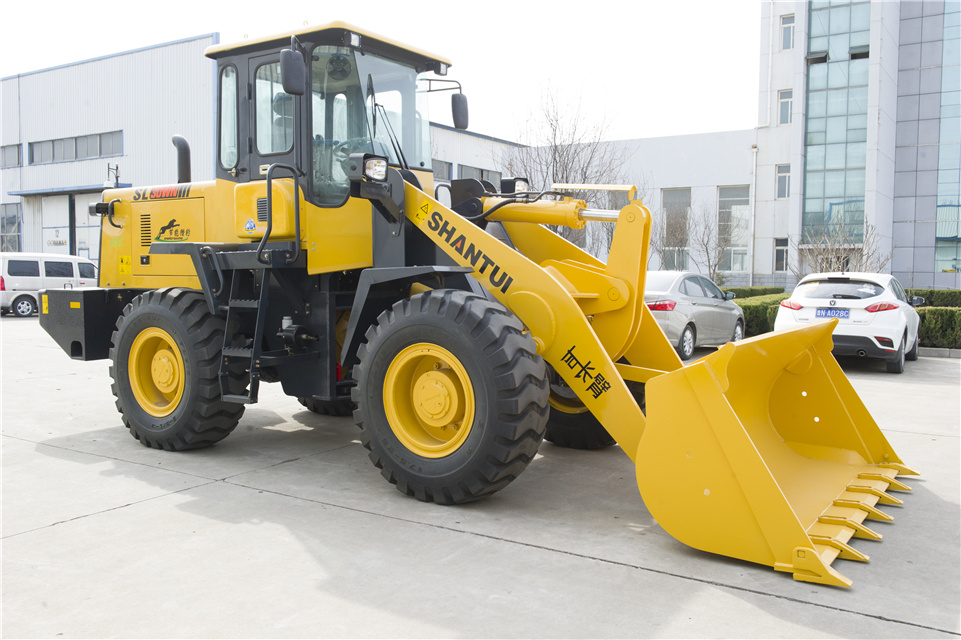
836 121
948 229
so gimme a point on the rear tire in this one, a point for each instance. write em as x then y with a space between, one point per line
23 307
738 332
685 346
912 354
451 396
337 408
896 365
165 364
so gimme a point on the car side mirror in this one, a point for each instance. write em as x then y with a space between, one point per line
917 301
730 295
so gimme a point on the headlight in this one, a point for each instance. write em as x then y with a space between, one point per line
375 169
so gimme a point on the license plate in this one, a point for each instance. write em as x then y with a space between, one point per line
832 313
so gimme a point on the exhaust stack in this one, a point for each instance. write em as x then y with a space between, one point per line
183 159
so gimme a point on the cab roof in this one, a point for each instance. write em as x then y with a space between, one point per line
334 33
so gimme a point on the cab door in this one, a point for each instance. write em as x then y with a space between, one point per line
272 117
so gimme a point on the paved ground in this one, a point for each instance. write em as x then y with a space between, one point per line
286 530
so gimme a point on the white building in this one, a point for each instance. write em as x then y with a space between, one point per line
859 121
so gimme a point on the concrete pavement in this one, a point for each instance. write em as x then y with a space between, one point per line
285 529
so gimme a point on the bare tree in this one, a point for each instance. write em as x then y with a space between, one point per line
670 235
708 242
563 147
840 247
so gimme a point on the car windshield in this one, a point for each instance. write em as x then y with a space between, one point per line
839 289
659 280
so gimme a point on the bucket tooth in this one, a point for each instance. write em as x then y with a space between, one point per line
893 484
883 497
845 551
902 469
860 531
873 512
809 566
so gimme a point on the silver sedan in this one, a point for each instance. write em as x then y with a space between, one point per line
692 311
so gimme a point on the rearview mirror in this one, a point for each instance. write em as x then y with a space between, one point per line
730 295
293 72
458 107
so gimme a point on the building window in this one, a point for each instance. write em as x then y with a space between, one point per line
97 145
10 227
443 171
676 205
733 226
780 254
784 100
494 177
787 32
11 156
783 181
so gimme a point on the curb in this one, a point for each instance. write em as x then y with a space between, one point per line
938 352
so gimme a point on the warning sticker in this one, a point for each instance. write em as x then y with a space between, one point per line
421 214
125 268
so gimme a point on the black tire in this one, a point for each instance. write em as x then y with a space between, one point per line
896 364
173 405
490 380
738 332
685 346
337 408
571 424
23 307
912 354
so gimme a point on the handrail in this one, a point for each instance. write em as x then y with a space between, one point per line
295 174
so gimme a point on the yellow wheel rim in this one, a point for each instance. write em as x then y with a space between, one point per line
156 372
428 400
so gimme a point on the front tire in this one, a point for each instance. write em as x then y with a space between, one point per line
451 396
571 424
165 364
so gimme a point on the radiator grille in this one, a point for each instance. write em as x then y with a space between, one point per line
145 236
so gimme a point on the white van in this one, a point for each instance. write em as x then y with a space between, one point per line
22 275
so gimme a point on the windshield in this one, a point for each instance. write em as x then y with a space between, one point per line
362 103
660 280
840 289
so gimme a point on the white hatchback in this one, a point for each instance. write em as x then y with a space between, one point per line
875 317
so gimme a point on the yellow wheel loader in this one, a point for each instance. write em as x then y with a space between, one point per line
460 334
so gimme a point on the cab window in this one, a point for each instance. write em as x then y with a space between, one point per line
274 111
228 118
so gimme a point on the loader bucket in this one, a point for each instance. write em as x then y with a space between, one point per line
764 452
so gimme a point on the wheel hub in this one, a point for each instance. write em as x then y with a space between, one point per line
436 399
155 368
428 400
163 370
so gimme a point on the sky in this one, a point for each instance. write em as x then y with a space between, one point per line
634 69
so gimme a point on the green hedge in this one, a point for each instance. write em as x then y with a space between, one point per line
938 297
940 327
751 292
760 311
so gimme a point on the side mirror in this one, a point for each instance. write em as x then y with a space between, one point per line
458 107
730 295
293 72
917 301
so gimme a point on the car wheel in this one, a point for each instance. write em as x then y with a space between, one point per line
896 364
23 307
738 332
912 354
685 346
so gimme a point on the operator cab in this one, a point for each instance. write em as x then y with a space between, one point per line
357 93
